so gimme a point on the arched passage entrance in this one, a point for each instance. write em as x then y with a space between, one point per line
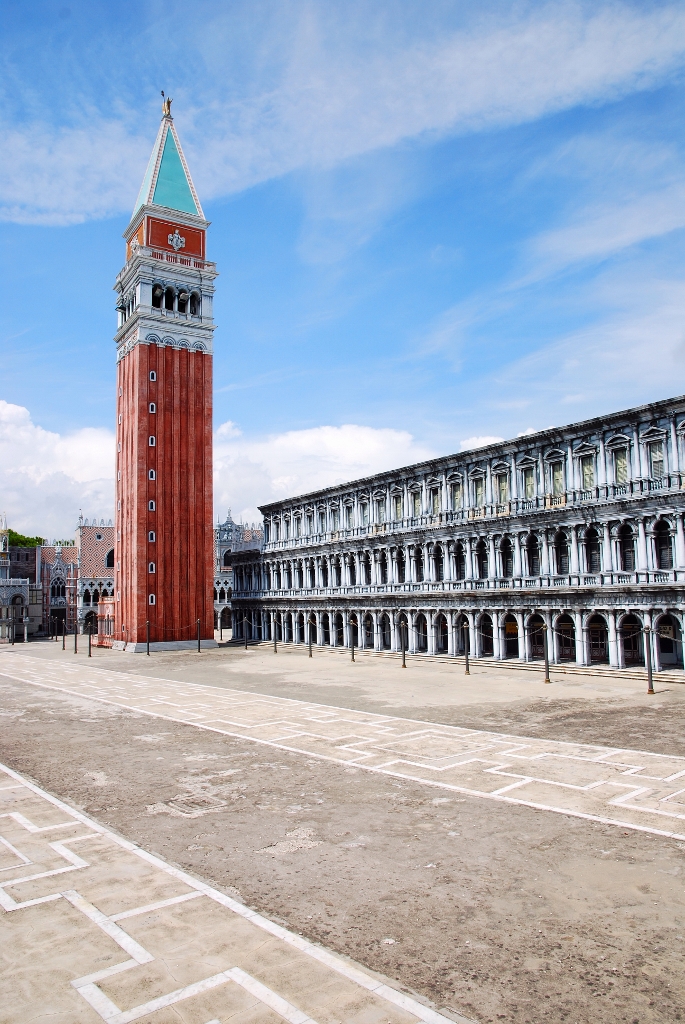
631 639
511 637
598 640
566 638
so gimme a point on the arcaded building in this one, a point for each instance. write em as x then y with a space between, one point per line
571 537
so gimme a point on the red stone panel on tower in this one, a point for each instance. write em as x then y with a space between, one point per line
174 538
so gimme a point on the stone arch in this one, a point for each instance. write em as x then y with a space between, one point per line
597 639
536 636
626 547
631 639
385 632
485 629
421 632
663 544
441 634
367 633
565 637
511 636
669 638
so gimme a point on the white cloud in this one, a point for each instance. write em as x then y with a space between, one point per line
477 442
251 472
45 478
604 230
324 84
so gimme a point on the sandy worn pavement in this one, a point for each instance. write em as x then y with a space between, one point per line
496 910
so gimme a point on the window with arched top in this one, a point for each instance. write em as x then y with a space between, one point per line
593 551
507 553
663 545
195 304
169 297
151 506
157 296
626 545
482 559
153 375
439 563
460 561
561 553
109 559
533 552
183 302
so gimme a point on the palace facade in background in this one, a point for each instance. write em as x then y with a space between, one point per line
577 529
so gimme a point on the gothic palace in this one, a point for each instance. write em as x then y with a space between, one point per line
577 529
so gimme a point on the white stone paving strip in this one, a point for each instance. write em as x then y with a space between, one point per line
181 926
626 788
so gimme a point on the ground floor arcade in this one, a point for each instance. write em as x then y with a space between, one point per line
613 636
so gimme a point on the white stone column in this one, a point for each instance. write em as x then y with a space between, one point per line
492 557
377 645
497 627
544 553
550 638
411 639
517 555
615 647
607 552
520 622
575 559
451 648
581 644
318 618
643 559
679 542
468 559
430 625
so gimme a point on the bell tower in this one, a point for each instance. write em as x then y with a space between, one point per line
164 541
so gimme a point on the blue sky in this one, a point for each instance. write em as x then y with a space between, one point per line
435 223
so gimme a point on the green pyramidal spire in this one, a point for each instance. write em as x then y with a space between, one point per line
167 180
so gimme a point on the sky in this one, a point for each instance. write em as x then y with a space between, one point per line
436 224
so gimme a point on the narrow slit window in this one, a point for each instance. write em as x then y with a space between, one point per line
151 475
152 441
151 506
152 599
153 407
151 567
151 536
153 375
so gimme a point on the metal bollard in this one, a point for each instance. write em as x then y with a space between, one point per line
198 636
89 643
147 638
648 659
64 635
544 645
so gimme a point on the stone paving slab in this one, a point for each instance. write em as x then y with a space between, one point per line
94 928
626 788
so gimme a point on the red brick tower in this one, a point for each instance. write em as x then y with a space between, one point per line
164 545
